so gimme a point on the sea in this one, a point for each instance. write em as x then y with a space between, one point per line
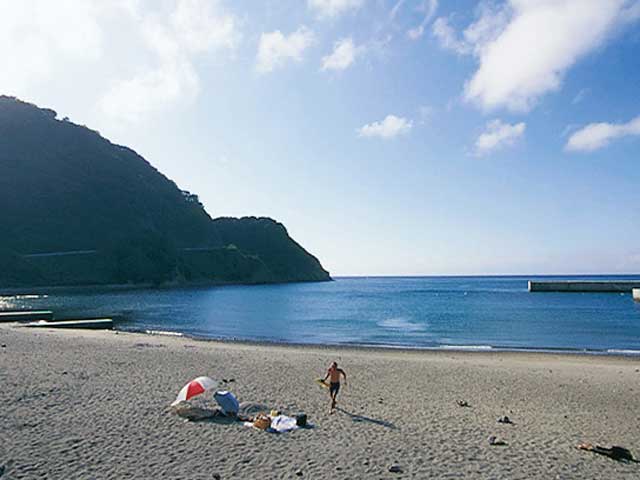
456 313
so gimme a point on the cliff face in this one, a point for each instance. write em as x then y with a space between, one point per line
64 188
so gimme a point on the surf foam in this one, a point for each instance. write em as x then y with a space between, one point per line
402 324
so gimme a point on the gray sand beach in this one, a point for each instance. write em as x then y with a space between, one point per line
85 405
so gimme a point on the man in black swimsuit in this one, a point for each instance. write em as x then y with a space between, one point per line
333 374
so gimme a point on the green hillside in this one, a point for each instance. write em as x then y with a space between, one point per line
78 210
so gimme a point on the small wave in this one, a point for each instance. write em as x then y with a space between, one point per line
402 324
164 332
22 297
623 351
466 347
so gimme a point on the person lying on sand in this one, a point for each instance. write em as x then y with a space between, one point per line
333 374
620 454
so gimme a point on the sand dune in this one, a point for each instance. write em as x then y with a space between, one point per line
79 405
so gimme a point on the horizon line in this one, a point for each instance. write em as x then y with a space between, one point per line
420 275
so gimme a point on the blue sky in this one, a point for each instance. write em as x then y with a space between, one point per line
389 136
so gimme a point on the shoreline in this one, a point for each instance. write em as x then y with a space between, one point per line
346 348
417 353
472 349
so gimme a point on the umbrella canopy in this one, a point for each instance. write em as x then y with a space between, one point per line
194 388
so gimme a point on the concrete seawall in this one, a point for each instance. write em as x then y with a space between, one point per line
625 286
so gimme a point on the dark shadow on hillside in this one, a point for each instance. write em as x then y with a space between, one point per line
361 418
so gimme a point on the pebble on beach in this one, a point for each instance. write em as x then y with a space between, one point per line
495 441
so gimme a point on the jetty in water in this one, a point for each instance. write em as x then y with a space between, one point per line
46 319
89 324
608 286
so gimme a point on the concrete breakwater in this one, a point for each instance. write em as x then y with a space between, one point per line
26 315
613 286
45 319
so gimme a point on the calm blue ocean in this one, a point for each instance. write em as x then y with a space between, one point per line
427 312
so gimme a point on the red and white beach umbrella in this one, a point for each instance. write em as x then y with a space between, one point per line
194 388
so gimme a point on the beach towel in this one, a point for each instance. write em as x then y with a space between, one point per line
278 424
282 423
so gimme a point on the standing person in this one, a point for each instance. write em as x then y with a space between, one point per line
333 374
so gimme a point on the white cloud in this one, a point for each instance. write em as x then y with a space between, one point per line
138 56
492 19
568 129
581 95
333 8
131 100
343 55
598 135
416 33
429 8
395 9
275 48
512 74
40 38
490 22
177 36
193 27
202 25
446 36
498 135
390 127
